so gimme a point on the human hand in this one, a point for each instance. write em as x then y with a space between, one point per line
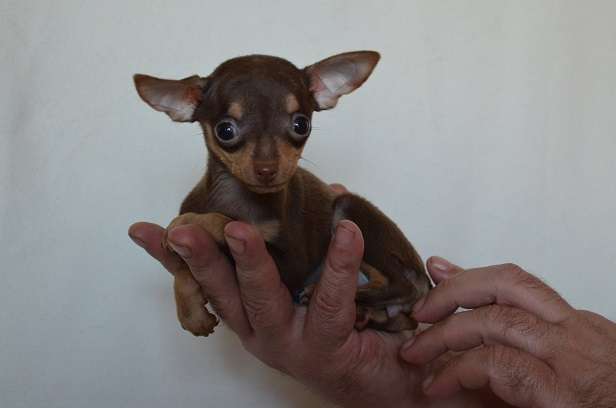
520 339
316 345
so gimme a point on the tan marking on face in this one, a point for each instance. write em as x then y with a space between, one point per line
236 110
238 162
291 103
289 157
269 229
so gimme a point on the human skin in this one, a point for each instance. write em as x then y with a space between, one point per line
520 338
317 345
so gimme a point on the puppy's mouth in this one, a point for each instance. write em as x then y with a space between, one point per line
266 188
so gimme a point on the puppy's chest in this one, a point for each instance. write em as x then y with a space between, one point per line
297 233
232 201
298 250
301 245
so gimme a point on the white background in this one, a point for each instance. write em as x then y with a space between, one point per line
488 132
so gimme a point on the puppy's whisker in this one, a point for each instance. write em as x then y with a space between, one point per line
309 161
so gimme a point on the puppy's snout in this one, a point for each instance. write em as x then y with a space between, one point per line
266 171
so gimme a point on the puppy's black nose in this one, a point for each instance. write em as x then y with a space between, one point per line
266 171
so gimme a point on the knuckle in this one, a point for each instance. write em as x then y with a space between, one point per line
515 272
520 277
445 285
493 313
510 321
592 317
521 322
594 327
327 306
513 267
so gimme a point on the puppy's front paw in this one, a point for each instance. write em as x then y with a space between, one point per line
200 322
191 306
213 223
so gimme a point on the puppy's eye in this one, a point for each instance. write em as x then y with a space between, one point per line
300 125
227 132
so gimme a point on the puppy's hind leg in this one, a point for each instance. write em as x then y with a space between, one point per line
394 272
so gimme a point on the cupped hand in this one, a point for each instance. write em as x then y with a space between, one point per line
519 338
317 345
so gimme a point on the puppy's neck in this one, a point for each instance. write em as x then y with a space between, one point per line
230 196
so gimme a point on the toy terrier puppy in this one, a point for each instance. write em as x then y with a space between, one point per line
256 113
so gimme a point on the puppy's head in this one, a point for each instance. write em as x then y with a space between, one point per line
256 110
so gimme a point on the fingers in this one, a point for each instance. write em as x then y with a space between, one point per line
503 284
213 272
266 299
514 376
150 236
331 313
487 325
441 269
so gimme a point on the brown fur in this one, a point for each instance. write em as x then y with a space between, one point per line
294 210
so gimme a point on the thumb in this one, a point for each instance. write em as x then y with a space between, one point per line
331 314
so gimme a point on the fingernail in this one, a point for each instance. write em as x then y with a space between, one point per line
419 305
183 251
427 382
343 236
237 245
440 264
137 241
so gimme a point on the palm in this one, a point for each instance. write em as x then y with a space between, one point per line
320 348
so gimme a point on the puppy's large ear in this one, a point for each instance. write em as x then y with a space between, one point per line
339 75
177 98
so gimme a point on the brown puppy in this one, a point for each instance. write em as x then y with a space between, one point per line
255 112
